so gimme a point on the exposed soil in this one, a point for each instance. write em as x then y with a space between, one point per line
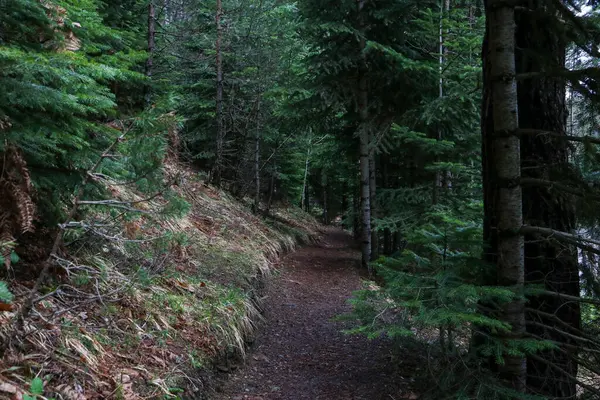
301 353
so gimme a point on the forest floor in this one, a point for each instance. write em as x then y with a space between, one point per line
301 353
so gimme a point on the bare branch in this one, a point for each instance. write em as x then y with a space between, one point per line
565 373
560 186
527 229
541 132
542 292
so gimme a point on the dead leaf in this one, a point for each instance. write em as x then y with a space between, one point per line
69 393
6 387
159 360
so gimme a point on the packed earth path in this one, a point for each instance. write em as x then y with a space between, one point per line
300 353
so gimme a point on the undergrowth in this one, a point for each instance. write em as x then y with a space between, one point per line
143 306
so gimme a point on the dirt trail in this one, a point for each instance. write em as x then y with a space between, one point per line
301 353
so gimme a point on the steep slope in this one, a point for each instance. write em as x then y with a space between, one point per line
145 308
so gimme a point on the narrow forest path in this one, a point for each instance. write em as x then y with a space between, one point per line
301 353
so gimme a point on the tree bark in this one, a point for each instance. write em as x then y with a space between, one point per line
364 150
219 100
506 167
257 158
304 199
542 106
325 200
356 215
372 196
271 190
387 233
151 46
440 177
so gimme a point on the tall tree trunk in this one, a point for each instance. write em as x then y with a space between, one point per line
271 189
364 150
441 177
257 158
356 215
217 170
325 200
151 46
505 162
387 233
547 262
344 205
372 195
304 200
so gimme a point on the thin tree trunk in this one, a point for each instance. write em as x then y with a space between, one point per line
372 195
325 199
387 233
219 101
303 200
356 215
151 46
344 204
257 158
446 182
271 189
364 144
506 163
398 244
440 177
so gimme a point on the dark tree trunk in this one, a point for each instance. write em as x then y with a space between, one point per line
364 149
372 196
151 46
344 205
325 200
257 157
387 233
217 170
356 216
547 262
271 189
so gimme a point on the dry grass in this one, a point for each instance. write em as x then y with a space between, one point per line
136 307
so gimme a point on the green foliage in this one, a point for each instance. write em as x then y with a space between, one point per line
5 295
57 96
37 386
435 281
